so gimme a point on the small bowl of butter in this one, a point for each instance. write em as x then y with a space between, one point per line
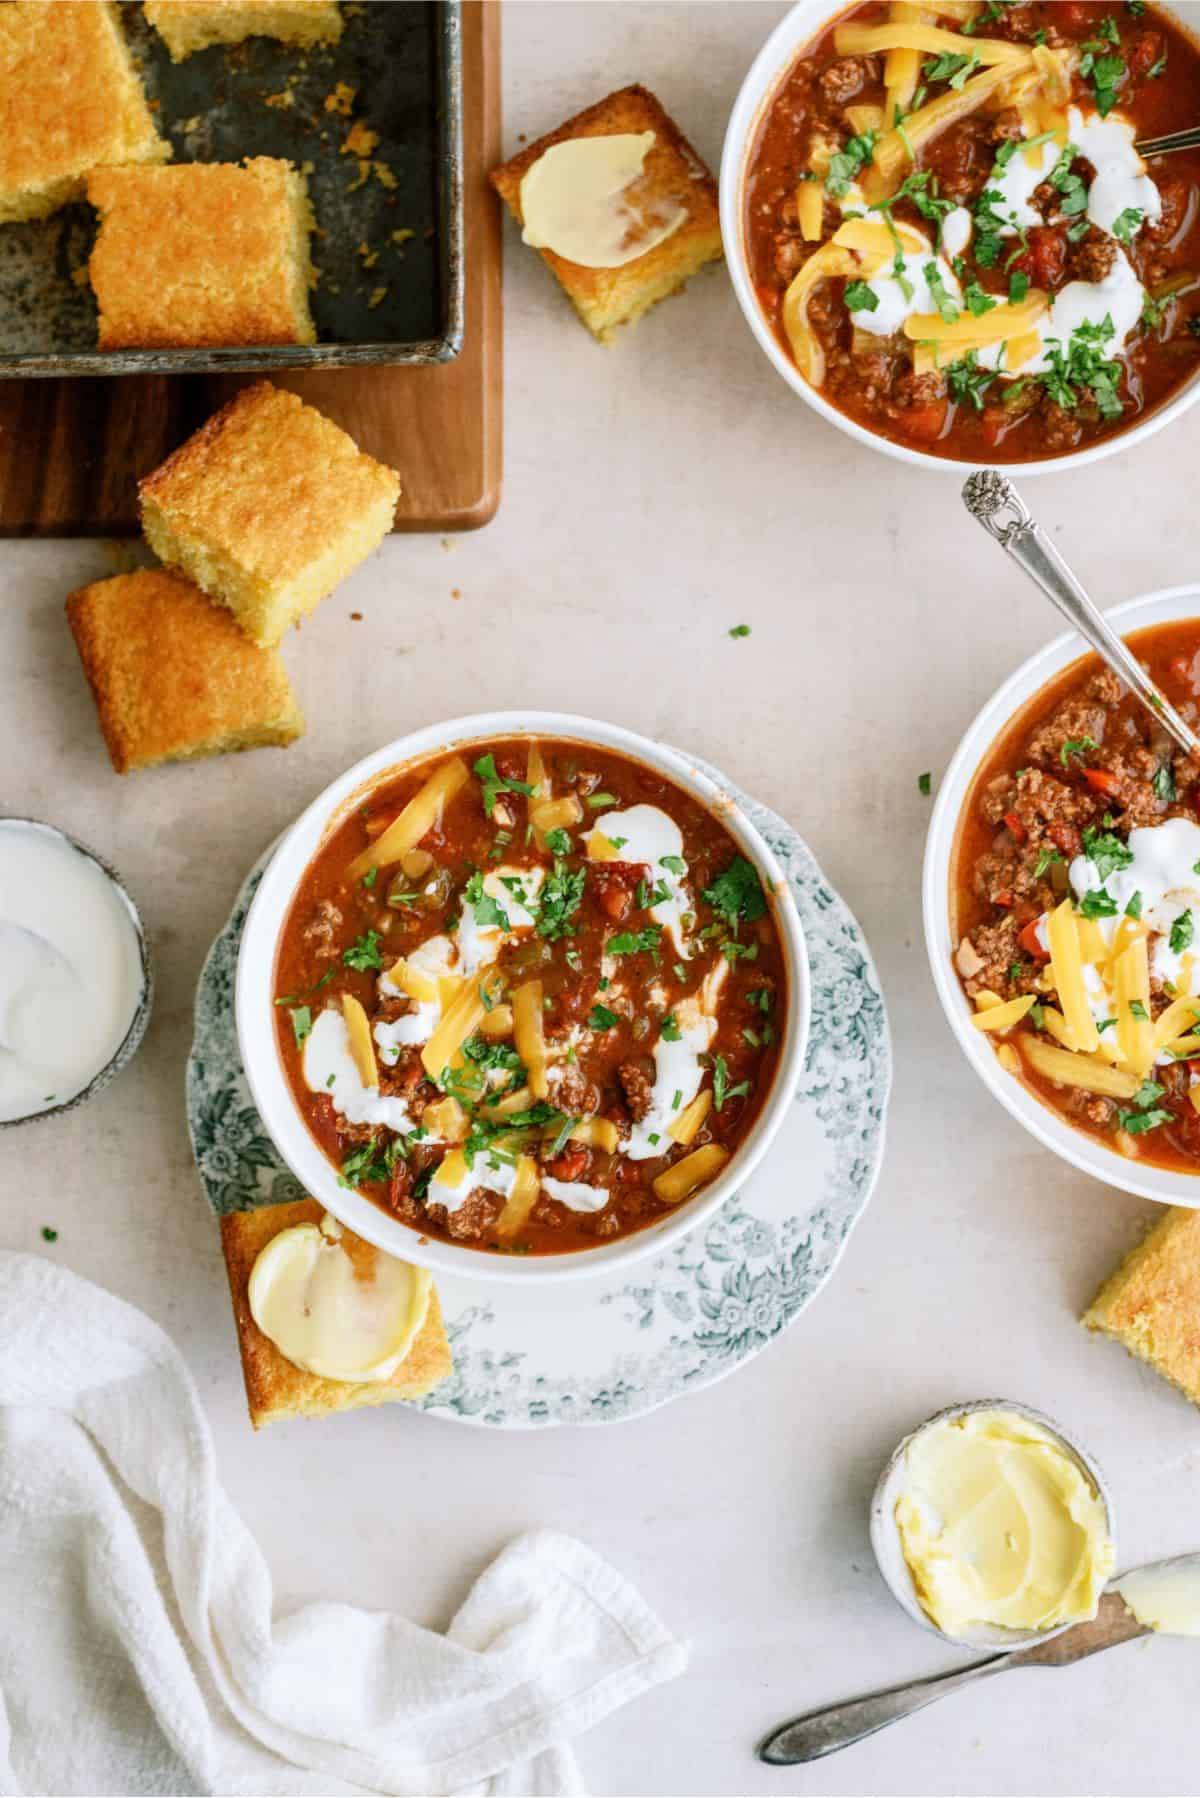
75 981
993 1526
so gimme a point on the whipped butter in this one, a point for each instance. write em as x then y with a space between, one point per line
1165 1597
339 1311
577 201
1000 1525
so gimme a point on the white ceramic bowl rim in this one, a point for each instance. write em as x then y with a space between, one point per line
885 1535
797 28
268 1081
1088 1153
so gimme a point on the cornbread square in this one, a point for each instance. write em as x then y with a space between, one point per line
70 98
1152 1303
202 254
606 298
172 675
187 25
268 507
275 1389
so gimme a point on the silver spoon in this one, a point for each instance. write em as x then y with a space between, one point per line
1172 140
991 498
811 1737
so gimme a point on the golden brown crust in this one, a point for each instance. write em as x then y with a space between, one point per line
1151 1304
201 254
270 482
274 1388
606 298
69 98
187 25
172 675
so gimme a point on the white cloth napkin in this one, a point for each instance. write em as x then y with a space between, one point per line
138 1648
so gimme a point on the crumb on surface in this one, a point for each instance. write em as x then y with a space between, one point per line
377 296
360 140
341 99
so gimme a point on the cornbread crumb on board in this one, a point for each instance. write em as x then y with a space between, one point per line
187 25
606 298
275 1389
1151 1304
70 98
172 675
202 254
267 508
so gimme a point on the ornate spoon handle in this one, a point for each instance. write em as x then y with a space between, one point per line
812 1737
993 500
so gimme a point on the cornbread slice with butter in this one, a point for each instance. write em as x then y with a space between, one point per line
70 98
275 1388
1151 1304
202 254
267 508
172 675
188 25
674 183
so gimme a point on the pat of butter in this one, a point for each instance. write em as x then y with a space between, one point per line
575 201
331 1316
1165 1597
1000 1525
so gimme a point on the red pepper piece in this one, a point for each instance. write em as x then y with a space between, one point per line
1101 781
1015 827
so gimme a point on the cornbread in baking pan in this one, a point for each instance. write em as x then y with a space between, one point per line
606 298
1151 1304
267 508
70 98
275 1389
202 254
172 675
187 25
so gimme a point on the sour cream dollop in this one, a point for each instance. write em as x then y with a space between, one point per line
71 977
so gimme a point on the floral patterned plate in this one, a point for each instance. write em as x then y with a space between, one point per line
613 1348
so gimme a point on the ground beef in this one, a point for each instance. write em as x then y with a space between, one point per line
998 950
352 1136
1076 720
1061 430
1006 126
791 253
825 306
1175 195
637 1086
844 78
1097 1112
574 1092
1092 258
474 1218
389 1009
321 929
571 1164
919 390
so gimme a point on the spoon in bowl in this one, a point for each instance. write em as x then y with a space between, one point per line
994 502
1172 140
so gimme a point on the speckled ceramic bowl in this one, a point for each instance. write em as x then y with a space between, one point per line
885 1536
131 1041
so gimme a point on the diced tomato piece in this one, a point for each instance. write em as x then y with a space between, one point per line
570 1164
1141 56
1032 943
1070 16
1015 827
1101 781
1065 837
1003 899
924 424
615 884
1045 261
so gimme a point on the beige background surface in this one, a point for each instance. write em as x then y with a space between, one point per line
656 495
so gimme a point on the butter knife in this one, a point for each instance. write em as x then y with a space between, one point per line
818 1733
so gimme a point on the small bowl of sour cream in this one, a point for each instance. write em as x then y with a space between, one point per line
75 978
994 1527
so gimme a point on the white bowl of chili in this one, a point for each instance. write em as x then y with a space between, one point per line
282 945
1008 716
1167 380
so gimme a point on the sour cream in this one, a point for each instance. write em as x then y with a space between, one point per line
480 943
1121 182
1016 182
71 978
645 833
576 1195
956 231
1163 872
897 300
433 957
679 1068
330 1068
488 1174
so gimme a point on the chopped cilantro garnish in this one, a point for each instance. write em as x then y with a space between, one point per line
967 381
1018 287
493 783
372 1161
301 1023
370 877
1181 932
560 900
859 297
601 1018
737 893
1100 904
1105 850
295 998
558 842
739 951
1077 748
848 161
489 913
364 952
49 1235
596 800
670 1029
951 68
633 942
1164 784
674 864
925 783
1106 73
1127 224
978 299
1138 1121
1045 857
722 1091
743 630
1138 1010
948 309
1133 908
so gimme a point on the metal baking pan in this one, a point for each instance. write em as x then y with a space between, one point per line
378 300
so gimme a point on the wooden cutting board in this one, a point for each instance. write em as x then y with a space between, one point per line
73 451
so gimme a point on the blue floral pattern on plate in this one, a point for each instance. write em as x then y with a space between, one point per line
606 1349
